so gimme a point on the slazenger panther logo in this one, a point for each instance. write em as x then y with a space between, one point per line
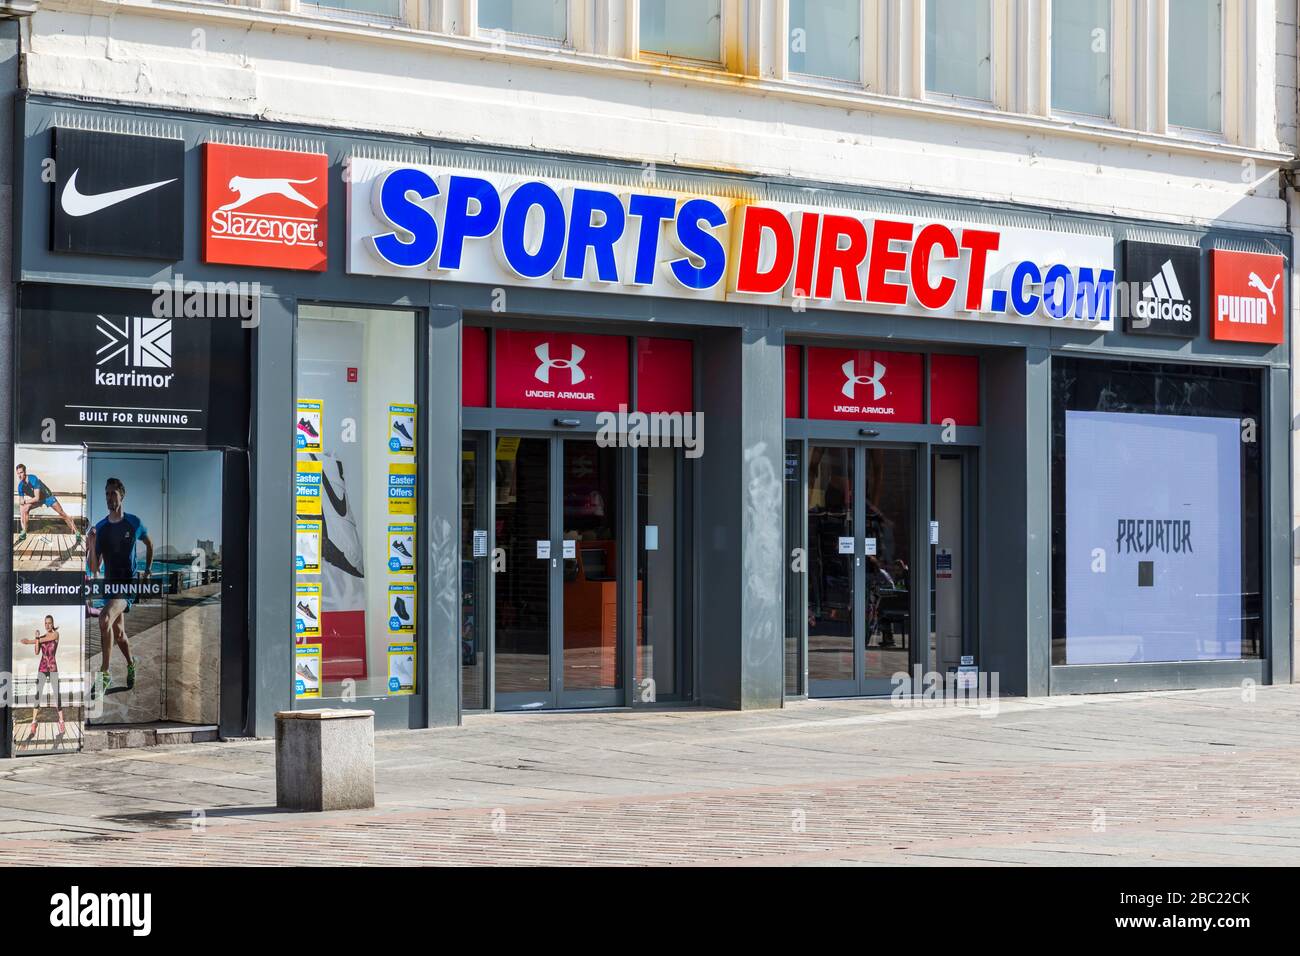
852 380
250 189
543 373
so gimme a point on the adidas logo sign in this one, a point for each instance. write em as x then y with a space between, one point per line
1163 299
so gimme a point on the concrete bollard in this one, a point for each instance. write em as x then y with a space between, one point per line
325 759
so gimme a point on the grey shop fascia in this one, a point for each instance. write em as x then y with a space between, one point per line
744 633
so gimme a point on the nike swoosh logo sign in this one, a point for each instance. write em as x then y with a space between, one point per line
78 204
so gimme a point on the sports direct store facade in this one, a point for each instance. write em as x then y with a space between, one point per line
319 414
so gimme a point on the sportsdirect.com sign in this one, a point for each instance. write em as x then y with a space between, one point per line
430 222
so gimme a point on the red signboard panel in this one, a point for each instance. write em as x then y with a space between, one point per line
1247 297
561 370
265 207
665 381
865 385
473 367
793 381
954 389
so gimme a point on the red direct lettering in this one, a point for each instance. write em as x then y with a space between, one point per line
803 269
831 258
927 240
884 259
748 276
980 243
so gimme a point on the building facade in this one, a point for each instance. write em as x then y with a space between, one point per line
441 357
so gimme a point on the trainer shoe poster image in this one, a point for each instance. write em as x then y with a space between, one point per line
401 548
306 671
401 429
401 669
307 428
307 551
401 604
306 610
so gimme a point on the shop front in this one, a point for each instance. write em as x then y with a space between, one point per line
431 429
882 455
577 530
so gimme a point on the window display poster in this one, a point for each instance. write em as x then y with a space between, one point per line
401 548
48 684
401 488
401 669
307 484
306 671
1153 537
401 429
47 687
306 610
307 549
401 608
307 430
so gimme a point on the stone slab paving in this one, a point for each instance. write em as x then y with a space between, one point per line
1191 778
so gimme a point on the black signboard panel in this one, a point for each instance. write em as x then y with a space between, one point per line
118 195
101 366
1163 286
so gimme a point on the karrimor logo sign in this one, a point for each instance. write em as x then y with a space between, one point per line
1249 297
852 380
547 364
138 341
265 207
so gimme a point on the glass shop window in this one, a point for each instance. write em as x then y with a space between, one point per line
356 605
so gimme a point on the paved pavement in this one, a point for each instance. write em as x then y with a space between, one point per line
1194 778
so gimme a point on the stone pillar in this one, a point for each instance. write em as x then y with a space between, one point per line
742 585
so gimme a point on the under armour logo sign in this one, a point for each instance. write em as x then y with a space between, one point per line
139 341
543 373
852 380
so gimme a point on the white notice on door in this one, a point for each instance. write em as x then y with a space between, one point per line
570 548
480 542
871 546
543 549
652 537
846 545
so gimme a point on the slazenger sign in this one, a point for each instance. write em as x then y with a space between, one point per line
431 222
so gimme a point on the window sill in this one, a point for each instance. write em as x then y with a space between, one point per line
938 108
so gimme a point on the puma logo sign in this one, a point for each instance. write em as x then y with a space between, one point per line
250 189
1255 282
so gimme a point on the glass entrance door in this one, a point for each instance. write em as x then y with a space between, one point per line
861 525
952 585
590 649
557 610
156 657
523 575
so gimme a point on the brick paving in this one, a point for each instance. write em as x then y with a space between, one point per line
1195 778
